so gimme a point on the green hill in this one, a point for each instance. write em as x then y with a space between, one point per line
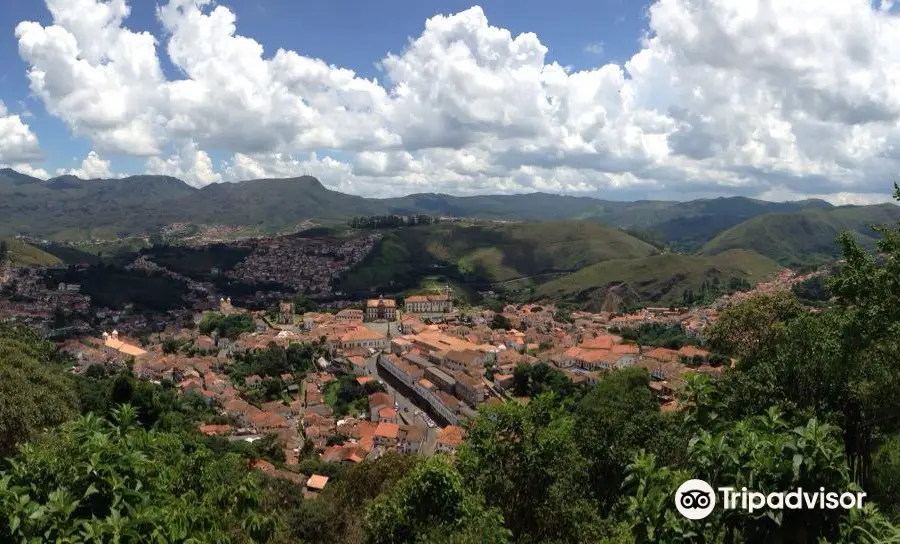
22 254
483 255
805 237
69 208
687 225
658 279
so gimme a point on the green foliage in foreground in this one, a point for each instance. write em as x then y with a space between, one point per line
34 393
95 480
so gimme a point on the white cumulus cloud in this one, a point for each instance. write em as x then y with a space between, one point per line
723 96
17 142
92 167
188 163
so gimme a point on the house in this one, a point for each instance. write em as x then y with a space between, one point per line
387 434
504 381
411 324
387 415
215 430
361 337
377 401
403 371
345 454
468 388
411 438
463 359
446 406
357 365
381 309
349 315
429 304
315 485
663 354
450 439
604 342
286 313
691 352
400 345
440 378
204 343
268 422
253 381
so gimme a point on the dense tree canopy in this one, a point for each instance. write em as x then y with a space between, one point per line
34 391
226 326
99 480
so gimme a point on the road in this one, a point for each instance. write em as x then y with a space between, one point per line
407 408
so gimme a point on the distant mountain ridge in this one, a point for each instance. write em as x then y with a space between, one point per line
68 208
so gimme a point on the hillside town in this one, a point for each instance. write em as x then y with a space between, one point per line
307 265
380 375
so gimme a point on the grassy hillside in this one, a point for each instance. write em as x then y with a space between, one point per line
687 225
658 279
805 237
484 255
22 254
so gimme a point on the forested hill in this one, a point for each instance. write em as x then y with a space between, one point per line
810 403
68 208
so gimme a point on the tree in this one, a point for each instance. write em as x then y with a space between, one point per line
227 326
751 328
4 252
526 462
763 453
34 392
432 504
108 480
171 346
615 420
885 488
532 380
500 321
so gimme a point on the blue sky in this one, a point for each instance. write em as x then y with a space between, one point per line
354 34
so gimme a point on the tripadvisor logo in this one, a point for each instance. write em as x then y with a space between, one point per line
696 499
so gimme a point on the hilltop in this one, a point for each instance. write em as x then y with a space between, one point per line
805 237
481 256
658 279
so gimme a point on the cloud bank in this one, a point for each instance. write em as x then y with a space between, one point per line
765 97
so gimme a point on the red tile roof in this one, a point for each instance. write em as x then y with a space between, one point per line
387 430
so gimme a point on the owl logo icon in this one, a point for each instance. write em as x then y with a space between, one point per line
695 499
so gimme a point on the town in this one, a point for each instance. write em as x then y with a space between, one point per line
382 375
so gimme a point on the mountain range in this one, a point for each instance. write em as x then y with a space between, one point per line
69 208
